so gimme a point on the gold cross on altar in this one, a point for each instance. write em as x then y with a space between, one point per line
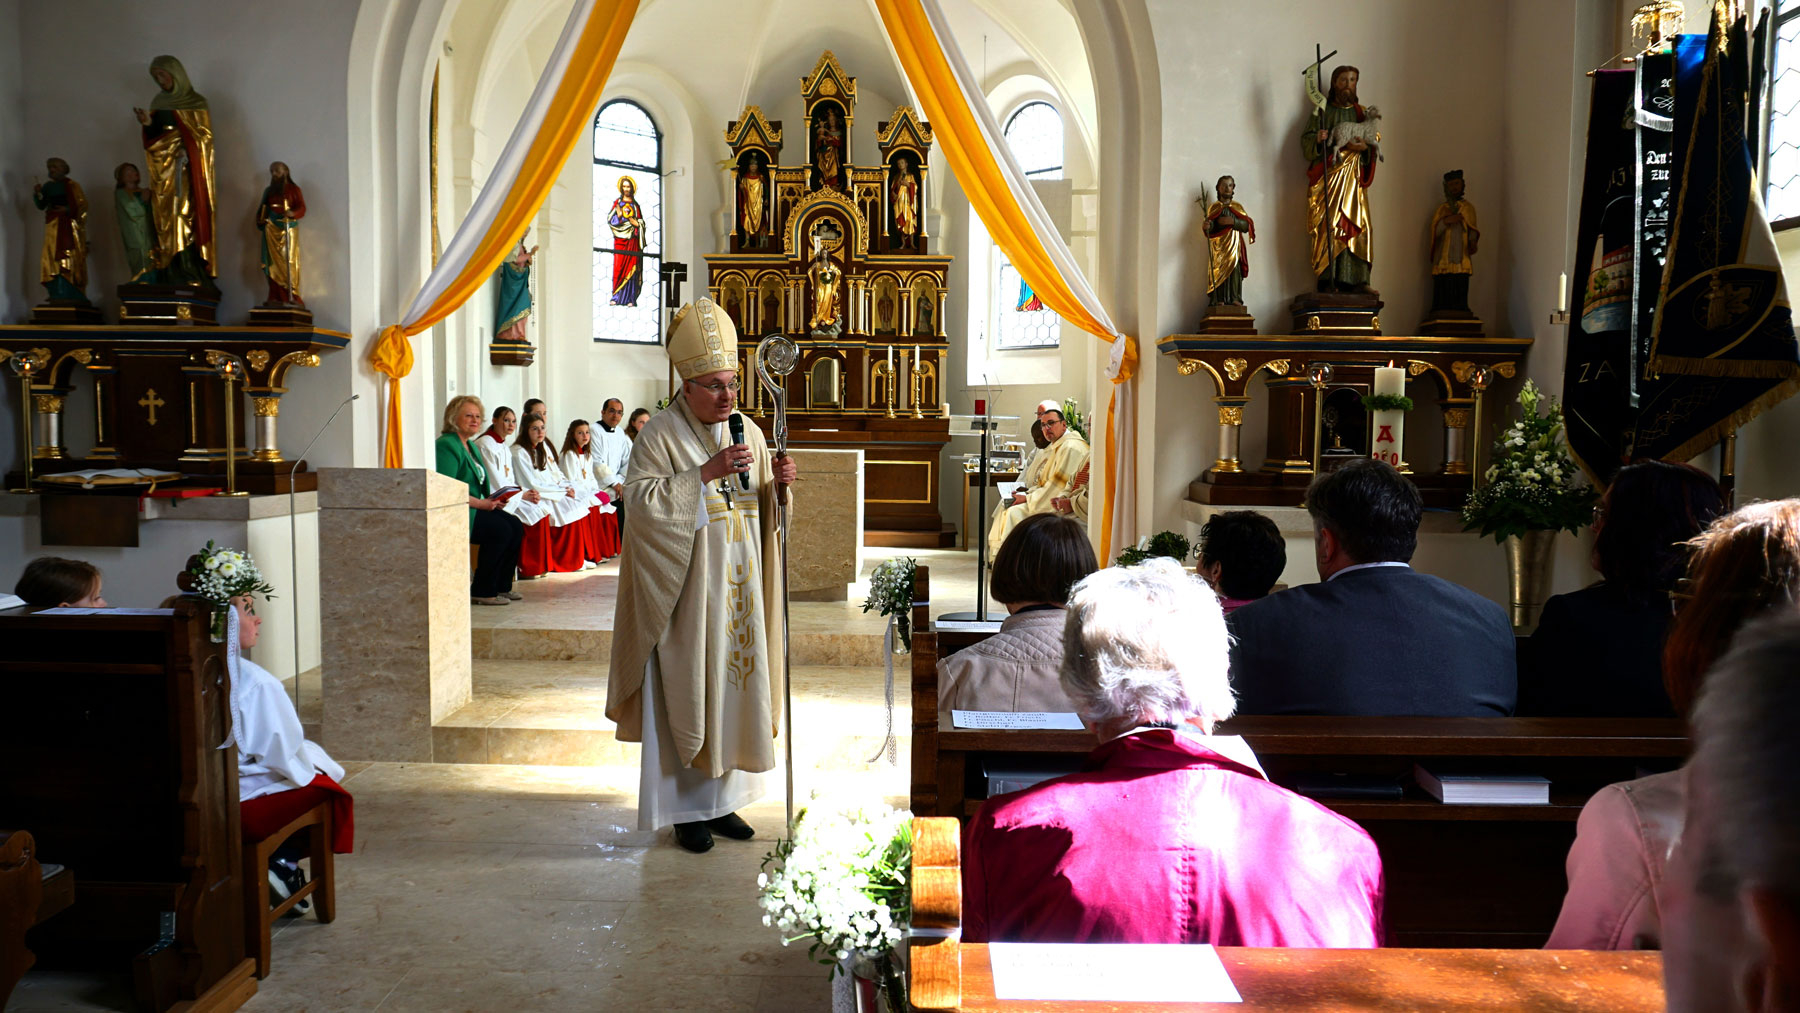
152 402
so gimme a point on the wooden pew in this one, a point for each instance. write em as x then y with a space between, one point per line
947 974
1457 876
109 754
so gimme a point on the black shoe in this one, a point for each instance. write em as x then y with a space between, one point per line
694 837
285 880
731 825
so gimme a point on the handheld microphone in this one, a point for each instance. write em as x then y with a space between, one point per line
736 422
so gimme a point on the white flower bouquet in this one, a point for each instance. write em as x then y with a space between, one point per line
842 881
891 589
1533 484
219 575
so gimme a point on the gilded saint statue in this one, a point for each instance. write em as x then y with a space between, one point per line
62 267
903 197
828 149
1454 238
752 201
278 219
137 223
1229 233
826 277
178 147
1340 145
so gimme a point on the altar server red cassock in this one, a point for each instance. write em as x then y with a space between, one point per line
1164 836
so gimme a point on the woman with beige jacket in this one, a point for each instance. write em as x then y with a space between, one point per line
1018 669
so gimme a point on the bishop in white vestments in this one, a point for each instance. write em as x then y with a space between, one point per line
699 613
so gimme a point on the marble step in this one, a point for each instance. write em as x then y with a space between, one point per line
553 713
852 648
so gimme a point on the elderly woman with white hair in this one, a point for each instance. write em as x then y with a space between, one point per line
1169 834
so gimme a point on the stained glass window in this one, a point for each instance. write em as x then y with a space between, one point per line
1034 135
628 224
1782 175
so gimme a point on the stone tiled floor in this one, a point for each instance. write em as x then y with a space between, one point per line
513 887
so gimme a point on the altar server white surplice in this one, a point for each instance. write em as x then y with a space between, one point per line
551 485
612 455
498 464
578 468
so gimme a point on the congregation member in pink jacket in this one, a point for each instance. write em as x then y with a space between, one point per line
1164 836
1020 668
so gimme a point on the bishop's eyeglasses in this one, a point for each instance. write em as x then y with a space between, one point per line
718 389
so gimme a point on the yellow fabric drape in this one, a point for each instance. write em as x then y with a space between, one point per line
958 135
565 124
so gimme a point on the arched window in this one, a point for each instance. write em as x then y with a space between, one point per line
1034 135
628 224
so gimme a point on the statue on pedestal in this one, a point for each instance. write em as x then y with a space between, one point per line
278 218
512 305
178 145
825 276
62 266
137 223
1229 232
828 150
1454 239
752 201
903 197
1341 144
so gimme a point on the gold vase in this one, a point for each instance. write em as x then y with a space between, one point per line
1528 575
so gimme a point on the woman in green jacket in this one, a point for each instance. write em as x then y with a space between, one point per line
495 531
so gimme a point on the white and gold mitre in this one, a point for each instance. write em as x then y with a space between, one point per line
702 340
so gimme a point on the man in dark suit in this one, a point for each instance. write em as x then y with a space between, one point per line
1374 636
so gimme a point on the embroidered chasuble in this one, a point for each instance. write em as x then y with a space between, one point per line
697 621
1053 475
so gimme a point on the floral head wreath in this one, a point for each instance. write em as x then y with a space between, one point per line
221 574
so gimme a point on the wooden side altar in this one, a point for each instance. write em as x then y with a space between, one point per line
837 257
159 398
1457 372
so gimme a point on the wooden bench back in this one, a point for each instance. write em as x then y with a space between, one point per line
109 755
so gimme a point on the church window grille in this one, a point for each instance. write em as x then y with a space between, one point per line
1781 173
1034 135
627 287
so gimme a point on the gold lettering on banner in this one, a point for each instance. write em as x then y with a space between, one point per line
1234 368
152 402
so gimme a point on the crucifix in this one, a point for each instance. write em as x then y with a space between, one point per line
152 402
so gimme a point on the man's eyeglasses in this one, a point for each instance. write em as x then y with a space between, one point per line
717 389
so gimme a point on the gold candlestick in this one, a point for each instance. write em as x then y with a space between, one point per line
1478 384
887 373
1320 375
918 389
228 370
25 365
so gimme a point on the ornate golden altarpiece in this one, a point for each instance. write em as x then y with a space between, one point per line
836 256
1453 371
159 400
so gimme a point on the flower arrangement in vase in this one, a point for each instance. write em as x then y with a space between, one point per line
842 880
1530 492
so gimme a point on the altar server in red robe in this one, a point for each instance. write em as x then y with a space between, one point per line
1165 836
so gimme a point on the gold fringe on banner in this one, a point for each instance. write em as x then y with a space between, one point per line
1749 369
1735 421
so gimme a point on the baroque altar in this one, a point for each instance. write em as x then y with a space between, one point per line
1308 421
836 256
158 397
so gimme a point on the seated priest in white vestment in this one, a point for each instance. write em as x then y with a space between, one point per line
1052 477
497 461
699 610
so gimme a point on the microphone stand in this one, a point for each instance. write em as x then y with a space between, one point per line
294 540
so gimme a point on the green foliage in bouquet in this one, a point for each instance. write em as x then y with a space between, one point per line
1163 543
1533 484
